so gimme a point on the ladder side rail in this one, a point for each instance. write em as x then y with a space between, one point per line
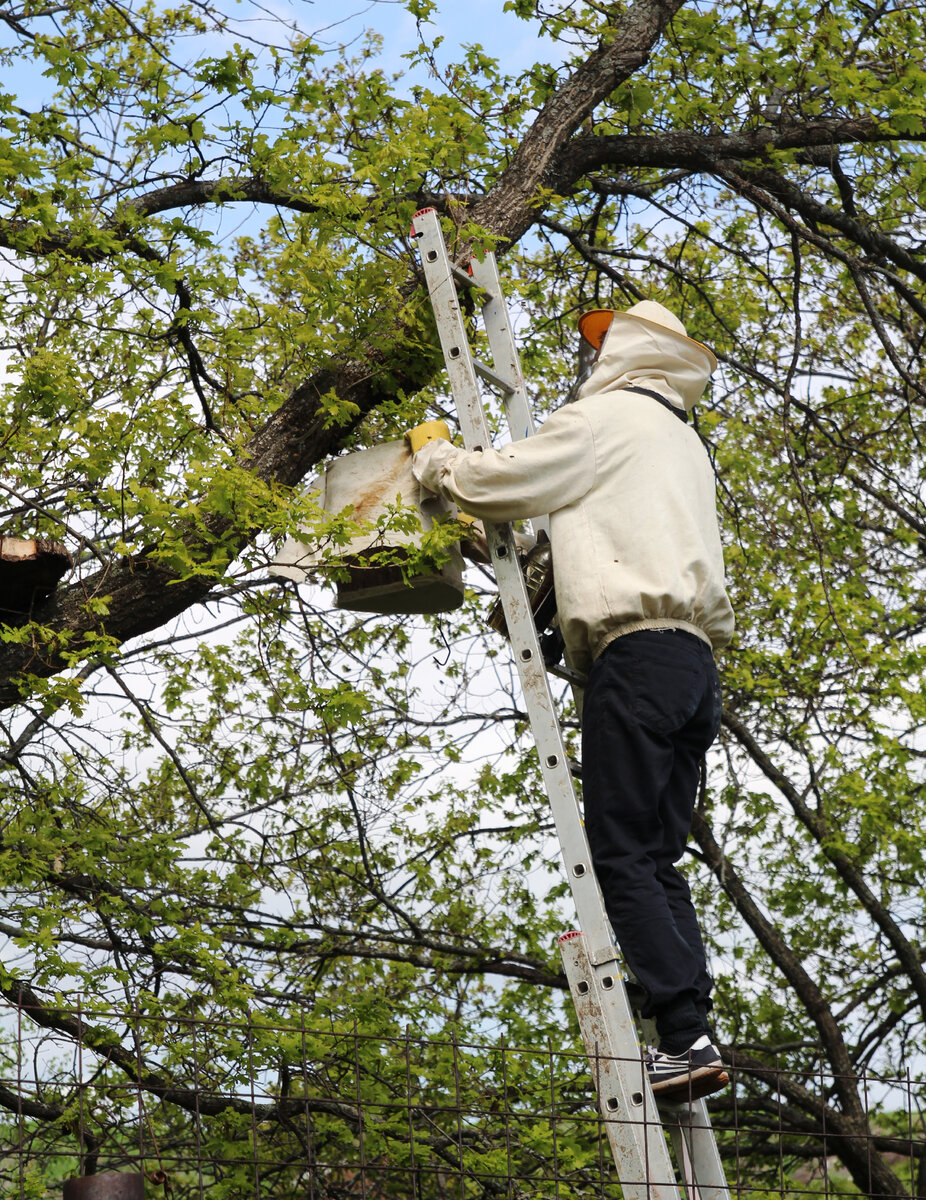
507 375
507 362
693 1141
631 1118
639 1147
525 644
683 1158
689 1126
697 1152
500 334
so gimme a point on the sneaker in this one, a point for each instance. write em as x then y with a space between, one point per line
696 1072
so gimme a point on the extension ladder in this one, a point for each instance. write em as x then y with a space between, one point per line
635 1126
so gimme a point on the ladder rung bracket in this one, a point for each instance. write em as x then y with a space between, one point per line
577 678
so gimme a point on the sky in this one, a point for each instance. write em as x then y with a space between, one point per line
515 42
334 24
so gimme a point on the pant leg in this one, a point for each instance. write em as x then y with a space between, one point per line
690 745
648 716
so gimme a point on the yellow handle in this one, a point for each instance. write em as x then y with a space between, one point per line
430 431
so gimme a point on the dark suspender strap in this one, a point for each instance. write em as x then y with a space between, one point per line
679 412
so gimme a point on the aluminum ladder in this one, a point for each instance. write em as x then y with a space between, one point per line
634 1125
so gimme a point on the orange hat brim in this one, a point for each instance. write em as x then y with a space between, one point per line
594 325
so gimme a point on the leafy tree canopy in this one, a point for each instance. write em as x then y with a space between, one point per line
220 795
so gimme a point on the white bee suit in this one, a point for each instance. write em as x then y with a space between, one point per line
629 489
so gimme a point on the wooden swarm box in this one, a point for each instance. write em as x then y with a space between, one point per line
369 483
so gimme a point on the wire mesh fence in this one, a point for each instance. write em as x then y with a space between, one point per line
99 1105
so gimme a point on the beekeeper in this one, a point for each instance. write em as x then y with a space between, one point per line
642 606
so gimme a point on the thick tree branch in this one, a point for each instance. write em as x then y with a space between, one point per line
510 207
871 240
573 159
696 152
847 871
871 1175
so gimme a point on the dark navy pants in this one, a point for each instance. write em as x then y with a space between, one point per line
651 710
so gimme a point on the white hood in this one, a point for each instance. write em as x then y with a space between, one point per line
640 352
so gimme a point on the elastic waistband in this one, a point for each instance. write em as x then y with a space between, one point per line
657 623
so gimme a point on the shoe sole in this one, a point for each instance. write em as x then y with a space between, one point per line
695 1086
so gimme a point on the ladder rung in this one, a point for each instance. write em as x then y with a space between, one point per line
491 377
462 276
576 678
466 279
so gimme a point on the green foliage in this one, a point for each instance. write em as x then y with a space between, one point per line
280 816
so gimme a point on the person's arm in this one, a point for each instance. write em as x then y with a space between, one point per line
528 478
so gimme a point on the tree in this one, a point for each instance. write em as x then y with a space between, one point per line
210 290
